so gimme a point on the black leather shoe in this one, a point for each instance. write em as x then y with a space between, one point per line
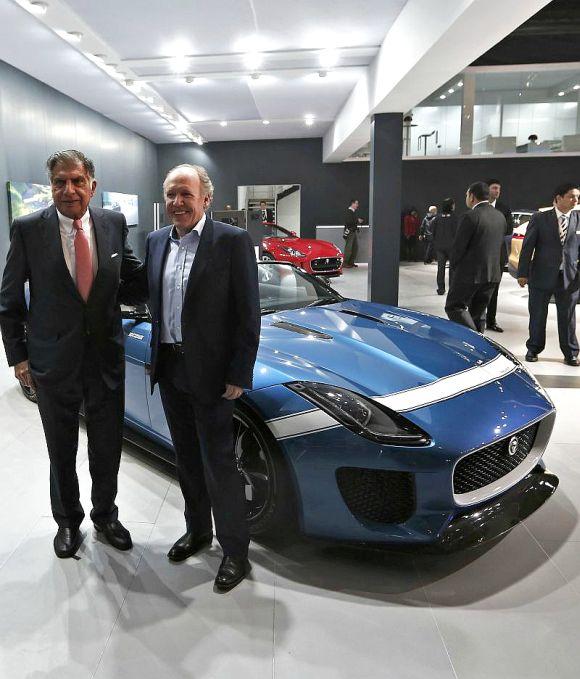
531 357
440 292
66 542
115 534
572 360
495 327
231 572
188 545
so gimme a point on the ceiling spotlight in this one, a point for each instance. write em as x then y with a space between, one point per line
179 63
451 90
99 58
576 87
189 79
255 76
561 93
460 83
329 58
73 36
528 83
253 61
265 122
224 123
442 96
519 94
37 7
322 74
309 119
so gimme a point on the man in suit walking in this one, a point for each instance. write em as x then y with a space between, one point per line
553 239
68 342
350 234
474 265
204 301
494 194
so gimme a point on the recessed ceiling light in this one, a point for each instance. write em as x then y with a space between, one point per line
72 36
179 63
309 119
561 94
442 96
460 83
255 76
576 87
224 123
99 58
329 58
189 79
265 122
37 7
253 61
451 90
322 74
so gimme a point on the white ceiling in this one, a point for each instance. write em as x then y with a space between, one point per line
139 38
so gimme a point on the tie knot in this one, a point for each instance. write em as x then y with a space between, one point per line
77 224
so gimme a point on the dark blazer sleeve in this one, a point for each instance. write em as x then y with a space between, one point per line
133 286
528 246
463 235
246 310
13 309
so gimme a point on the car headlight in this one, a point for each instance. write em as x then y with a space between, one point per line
293 252
362 415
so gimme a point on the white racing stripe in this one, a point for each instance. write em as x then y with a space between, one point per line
448 387
444 388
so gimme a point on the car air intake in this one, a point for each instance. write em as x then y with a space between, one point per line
377 495
489 464
301 330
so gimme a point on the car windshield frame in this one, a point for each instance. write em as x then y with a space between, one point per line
325 294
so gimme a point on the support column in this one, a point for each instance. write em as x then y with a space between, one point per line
466 134
386 171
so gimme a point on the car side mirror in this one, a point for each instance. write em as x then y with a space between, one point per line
138 313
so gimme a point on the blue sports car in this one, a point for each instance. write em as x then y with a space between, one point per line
370 423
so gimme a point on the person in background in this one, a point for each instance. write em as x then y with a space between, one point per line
475 259
494 194
266 213
444 228
411 226
352 224
426 234
548 265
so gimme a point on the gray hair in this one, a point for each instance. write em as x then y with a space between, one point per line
70 157
205 181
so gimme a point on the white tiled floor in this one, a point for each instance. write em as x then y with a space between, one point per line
309 610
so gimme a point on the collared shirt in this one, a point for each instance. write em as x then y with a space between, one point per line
178 265
493 202
559 215
480 203
67 238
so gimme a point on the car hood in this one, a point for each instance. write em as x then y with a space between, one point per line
305 245
370 348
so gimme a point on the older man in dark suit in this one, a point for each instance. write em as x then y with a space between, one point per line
474 265
68 343
549 266
204 300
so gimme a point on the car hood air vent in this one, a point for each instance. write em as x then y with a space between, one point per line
292 327
350 312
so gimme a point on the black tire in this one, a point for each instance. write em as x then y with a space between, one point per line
267 481
29 393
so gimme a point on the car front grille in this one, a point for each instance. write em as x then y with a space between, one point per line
325 264
489 464
377 495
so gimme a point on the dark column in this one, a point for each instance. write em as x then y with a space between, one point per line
385 206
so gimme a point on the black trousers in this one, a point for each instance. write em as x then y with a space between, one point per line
490 316
59 411
351 248
538 303
466 303
428 257
442 259
208 474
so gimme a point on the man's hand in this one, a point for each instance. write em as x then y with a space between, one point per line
22 373
232 392
522 282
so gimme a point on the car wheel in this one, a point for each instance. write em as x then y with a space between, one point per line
29 393
267 257
267 483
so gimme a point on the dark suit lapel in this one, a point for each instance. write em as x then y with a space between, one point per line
202 257
159 260
103 246
53 249
554 226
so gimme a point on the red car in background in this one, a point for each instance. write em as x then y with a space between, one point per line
318 257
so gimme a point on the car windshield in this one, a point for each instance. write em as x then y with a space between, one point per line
275 231
283 287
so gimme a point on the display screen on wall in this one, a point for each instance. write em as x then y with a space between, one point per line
25 197
126 203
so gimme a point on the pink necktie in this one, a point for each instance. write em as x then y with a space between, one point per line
83 261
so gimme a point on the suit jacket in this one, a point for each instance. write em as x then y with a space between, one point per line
479 237
54 330
444 228
507 213
350 222
220 318
542 241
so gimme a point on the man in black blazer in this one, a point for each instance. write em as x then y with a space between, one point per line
474 264
350 234
549 266
494 194
267 213
67 343
205 308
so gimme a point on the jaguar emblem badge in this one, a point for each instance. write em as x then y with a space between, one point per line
513 445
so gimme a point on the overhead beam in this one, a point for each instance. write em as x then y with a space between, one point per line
429 43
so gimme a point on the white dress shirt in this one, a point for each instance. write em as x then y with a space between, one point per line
559 215
67 238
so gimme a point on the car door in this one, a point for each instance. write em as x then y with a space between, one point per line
137 330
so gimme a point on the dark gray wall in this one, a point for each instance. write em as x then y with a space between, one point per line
326 189
36 120
527 182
